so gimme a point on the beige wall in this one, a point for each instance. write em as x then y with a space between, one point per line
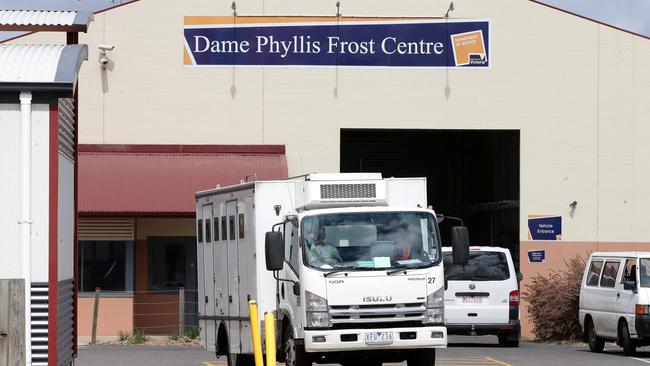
115 315
577 91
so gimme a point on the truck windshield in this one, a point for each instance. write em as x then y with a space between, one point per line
644 272
374 240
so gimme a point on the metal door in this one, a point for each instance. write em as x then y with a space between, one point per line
208 272
233 277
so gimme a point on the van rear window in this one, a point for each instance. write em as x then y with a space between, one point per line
594 273
644 272
482 266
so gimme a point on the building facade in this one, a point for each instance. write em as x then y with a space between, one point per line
560 116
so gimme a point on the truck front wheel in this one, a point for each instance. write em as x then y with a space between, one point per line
422 357
295 354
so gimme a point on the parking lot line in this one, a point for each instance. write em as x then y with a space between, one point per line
469 361
498 362
640 360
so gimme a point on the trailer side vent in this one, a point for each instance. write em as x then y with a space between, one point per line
337 191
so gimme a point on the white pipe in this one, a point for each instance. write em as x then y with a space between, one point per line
26 211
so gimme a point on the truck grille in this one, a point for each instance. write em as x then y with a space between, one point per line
385 313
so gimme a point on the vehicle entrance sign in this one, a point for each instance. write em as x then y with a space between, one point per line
335 42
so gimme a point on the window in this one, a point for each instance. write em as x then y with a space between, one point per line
224 227
241 226
609 274
629 271
216 229
644 272
231 221
594 273
199 230
482 266
171 263
291 246
105 264
208 236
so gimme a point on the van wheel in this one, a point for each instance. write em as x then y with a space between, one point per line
422 357
295 355
596 344
629 348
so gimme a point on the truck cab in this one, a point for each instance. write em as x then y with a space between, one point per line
350 264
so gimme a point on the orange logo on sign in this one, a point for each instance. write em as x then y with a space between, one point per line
469 48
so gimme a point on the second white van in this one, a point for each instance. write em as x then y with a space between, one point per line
615 300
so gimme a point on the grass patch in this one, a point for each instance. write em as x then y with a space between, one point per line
124 336
138 337
174 336
192 333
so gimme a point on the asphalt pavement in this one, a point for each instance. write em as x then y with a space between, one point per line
462 351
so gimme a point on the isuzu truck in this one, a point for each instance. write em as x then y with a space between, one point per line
351 265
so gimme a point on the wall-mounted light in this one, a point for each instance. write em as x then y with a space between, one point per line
573 205
450 9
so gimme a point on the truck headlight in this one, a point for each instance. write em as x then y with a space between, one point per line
435 312
317 311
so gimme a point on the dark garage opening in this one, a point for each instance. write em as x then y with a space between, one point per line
471 174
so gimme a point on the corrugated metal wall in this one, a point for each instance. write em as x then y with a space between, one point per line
65 341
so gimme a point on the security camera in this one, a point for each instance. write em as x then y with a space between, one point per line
106 47
104 60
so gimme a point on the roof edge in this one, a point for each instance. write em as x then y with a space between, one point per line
169 149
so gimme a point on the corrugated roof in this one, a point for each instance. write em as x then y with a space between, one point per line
45 20
139 181
40 67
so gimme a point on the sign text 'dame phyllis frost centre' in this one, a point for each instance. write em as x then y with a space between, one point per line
349 42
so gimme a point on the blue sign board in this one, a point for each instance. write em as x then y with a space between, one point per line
348 42
545 228
537 256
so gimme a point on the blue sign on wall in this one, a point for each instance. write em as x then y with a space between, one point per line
545 228
348 42
537 256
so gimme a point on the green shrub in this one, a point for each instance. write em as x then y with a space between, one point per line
554 302
138 337
192 333
124 336
173 336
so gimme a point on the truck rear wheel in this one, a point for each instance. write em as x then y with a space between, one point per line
295 354
596 344
629 348
422 357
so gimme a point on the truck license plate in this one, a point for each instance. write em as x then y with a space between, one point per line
379 338
472 300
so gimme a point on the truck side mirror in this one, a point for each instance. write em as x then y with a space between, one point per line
520 277
273 246
460 245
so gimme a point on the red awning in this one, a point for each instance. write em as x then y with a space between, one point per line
162 179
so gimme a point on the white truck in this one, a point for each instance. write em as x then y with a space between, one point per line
351 264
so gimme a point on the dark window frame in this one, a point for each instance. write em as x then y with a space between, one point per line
242 228
589 271
231 227
224 228
602 275
208 231
157 242
216 228
129 259
199 230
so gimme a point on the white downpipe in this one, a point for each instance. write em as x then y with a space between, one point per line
26 211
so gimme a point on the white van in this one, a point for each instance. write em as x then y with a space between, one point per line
614 300
482 297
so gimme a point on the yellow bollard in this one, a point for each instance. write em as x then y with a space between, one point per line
255 330
269 325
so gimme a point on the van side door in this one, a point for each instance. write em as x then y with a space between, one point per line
608 318
626 299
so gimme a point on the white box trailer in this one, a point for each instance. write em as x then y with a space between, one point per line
377 301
